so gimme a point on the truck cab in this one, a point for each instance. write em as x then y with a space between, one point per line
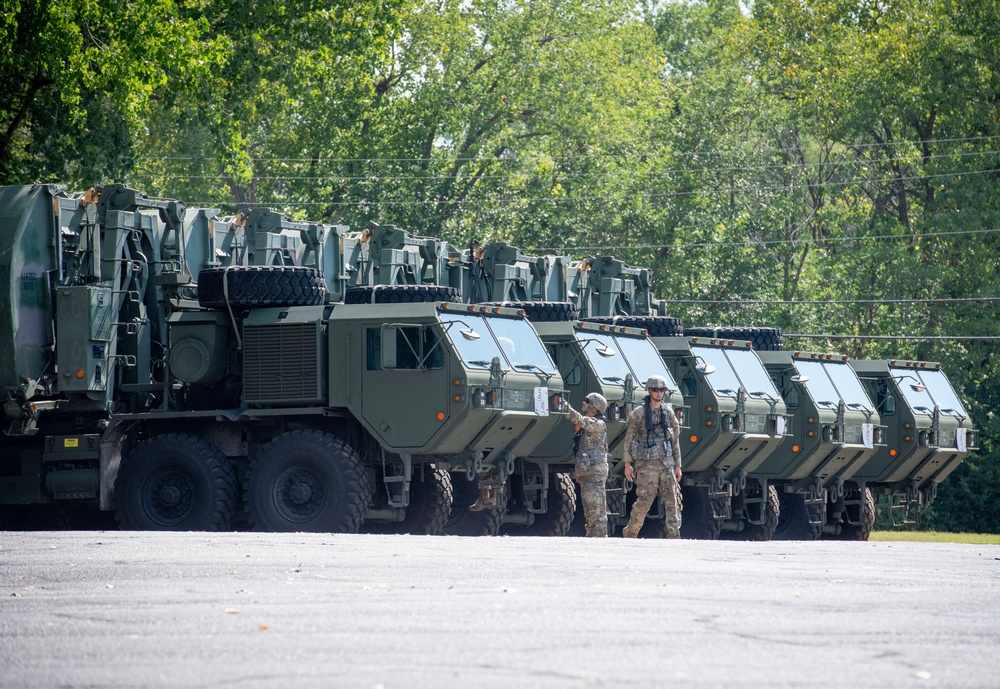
835 430
928 431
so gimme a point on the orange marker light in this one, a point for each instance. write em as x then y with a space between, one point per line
795 448
892 453
440 416
694 438
79 374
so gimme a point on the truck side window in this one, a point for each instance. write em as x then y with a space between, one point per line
884 400
689 385
373 350
408 349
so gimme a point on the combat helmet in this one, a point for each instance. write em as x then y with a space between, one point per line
657 382
596 399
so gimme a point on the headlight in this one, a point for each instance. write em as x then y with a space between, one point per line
827 434
479 398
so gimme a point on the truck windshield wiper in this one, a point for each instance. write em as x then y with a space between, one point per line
825 403
613 379
858 405
533 367
726 391
479 362
923 408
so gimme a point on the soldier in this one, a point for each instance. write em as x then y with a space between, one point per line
590 449
652 440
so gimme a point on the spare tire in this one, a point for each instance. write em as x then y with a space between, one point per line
763 339
542 311
657 326
247 287
400 294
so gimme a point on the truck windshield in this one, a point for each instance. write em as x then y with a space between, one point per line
919 400
521 344
942 392
850 387
723 379
602 352
644 359
473 339
819 385
751 371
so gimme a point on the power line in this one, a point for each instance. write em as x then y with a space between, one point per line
824 302
567 175
366 203
759 242
642 154
813 336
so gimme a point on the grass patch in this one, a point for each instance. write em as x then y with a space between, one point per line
935 537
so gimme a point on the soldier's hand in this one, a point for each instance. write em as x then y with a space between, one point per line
629 472
677 474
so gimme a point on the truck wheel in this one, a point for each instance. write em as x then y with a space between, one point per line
542 311
561 500
176 482
763 339
861 532
657 326
464 522
400 294
245 287
794 519
765 531
430 505
307 481
698 518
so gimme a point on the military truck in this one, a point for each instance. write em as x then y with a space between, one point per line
141 376
737 420
928 432
835 431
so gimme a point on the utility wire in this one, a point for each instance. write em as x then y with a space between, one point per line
792 167
823 302
628 156
893 337
514 200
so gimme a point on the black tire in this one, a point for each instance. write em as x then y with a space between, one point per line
401 294
176 482
861 532
430 505
657 326
307 481
464 522
763 339
542 311
561 500
772 513
698 518
247 287
794 519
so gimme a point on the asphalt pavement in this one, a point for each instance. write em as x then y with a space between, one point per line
295 611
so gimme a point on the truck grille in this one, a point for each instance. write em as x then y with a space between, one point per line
281 364
755 423
519 400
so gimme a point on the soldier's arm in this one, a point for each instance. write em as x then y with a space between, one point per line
675 426
630 431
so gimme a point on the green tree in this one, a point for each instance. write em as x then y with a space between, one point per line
78 81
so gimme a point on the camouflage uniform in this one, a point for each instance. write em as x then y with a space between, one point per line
590 448
655 453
